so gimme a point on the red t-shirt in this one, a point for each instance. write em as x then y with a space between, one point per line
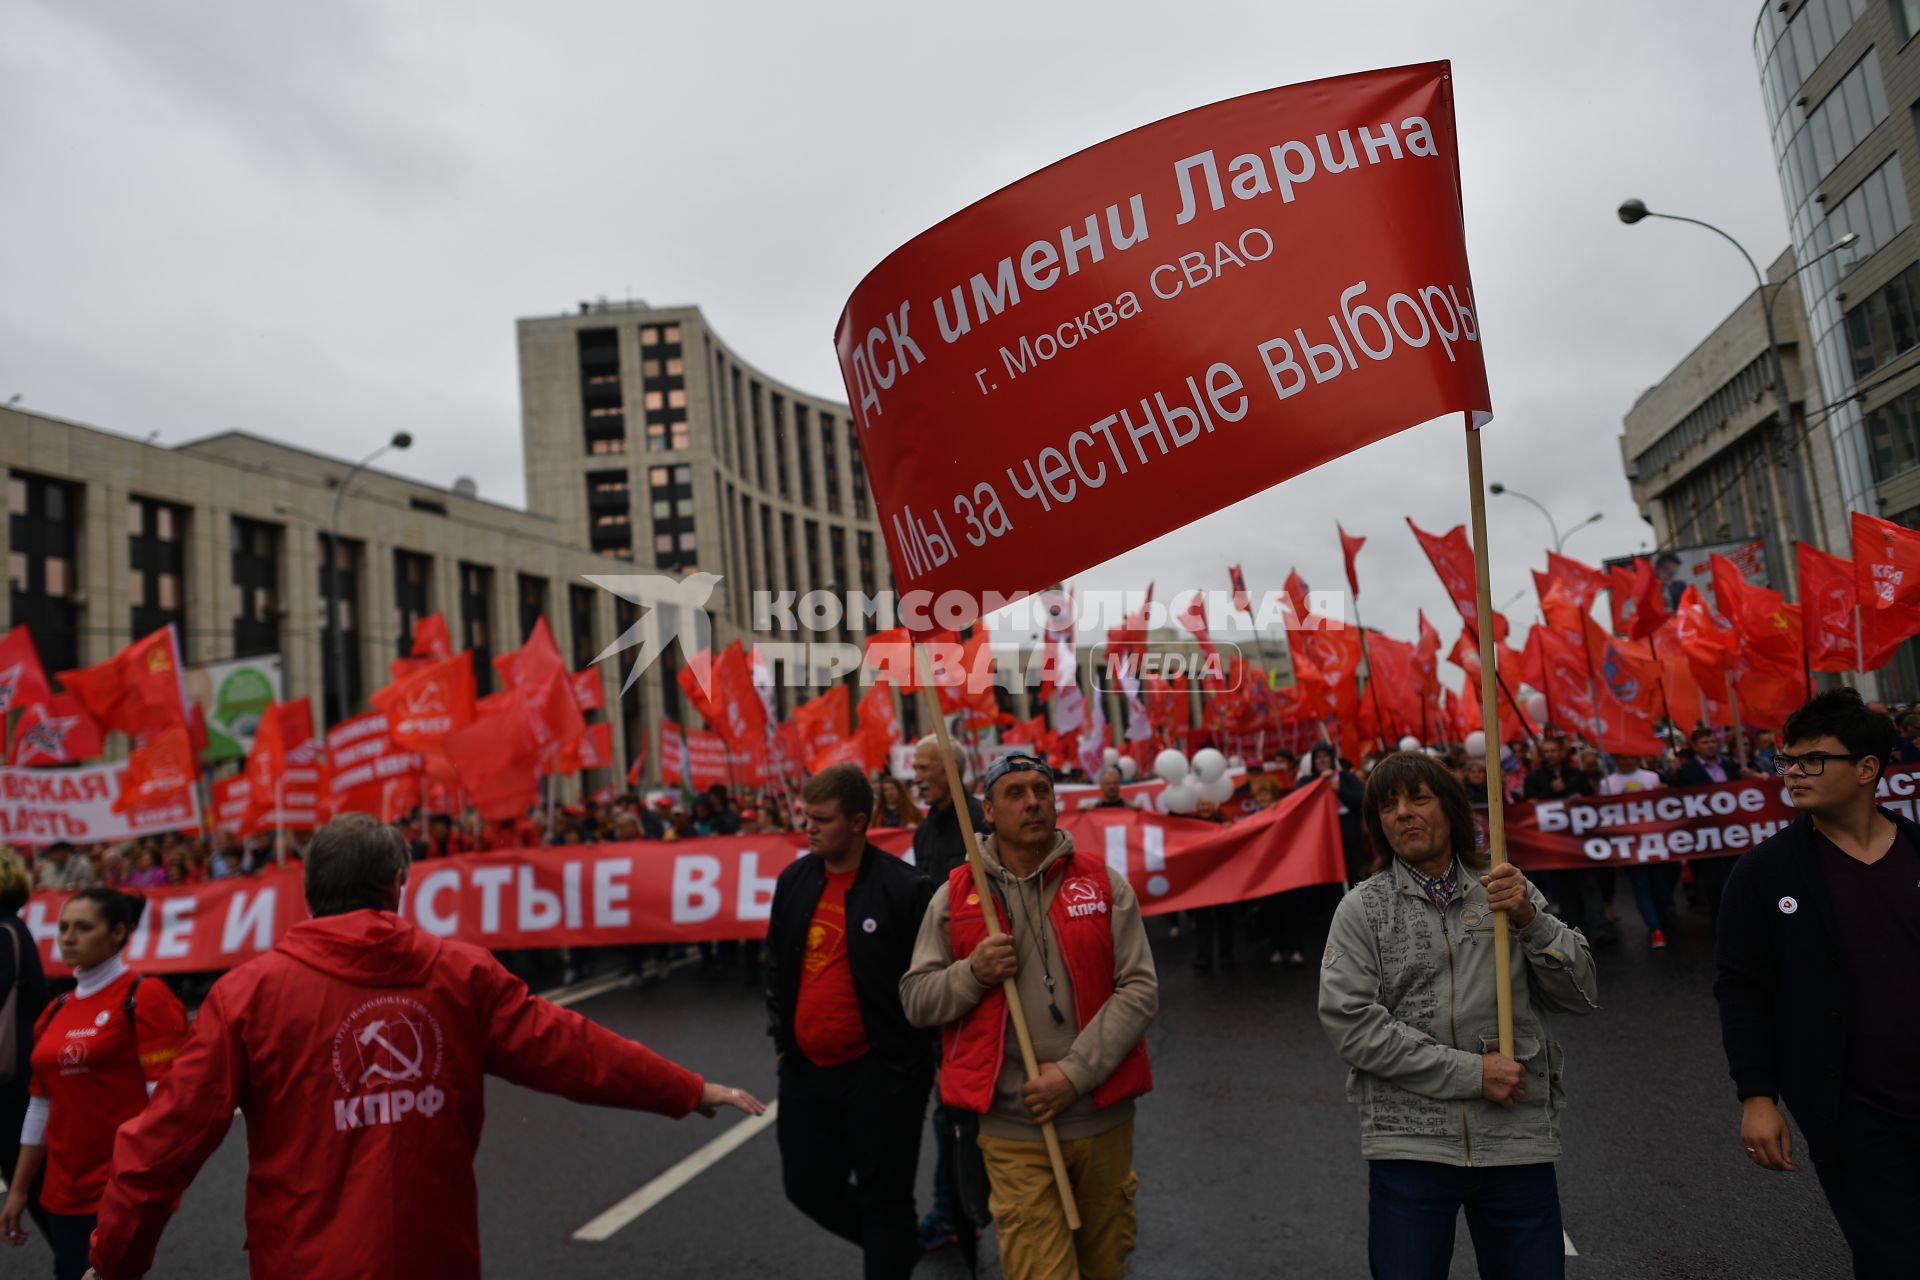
826 1017
93 1071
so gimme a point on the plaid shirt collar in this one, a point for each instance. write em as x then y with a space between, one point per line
1439 889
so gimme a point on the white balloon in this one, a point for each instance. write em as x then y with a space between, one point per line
1129 768
1220 790
1170 766
1110 757
1409 743
1477 745
1180 798
1537 709
1209 765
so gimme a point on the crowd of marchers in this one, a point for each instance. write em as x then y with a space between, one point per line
1009 996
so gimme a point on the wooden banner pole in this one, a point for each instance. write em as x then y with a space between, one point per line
956 789
1496 799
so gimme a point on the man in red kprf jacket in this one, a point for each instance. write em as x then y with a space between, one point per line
356 1048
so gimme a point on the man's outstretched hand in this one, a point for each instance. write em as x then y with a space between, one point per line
715 1096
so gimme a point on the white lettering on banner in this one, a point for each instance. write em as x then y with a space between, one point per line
1551 815
924 548
539 908
249 913
1293 164
570 893
1033 350
1192 270
875 372
424 897
608 893
1040 265
1370 329
176 928
696 888
1052 476
1117 850
754 899
490 881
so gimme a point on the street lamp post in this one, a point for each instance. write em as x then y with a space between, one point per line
1786 435
338 646
1559 539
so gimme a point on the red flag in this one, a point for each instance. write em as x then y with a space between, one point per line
915 390
138 690
1452 558
1584 583
495 759
57 731
593 751
1194 618
1241 601
1886 569
430 638
430 704
1708 646
160 773
534 661
1647 611
1349 549
1297 593
587 689
1827 602
23 681
1426 658
879 725
553 718
823 721
966 682
283 727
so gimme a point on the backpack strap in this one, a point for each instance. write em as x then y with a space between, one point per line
133 989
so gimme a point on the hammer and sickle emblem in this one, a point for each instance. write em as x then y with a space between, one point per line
409 1069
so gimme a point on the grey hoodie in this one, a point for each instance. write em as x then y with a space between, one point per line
1407 997
938 989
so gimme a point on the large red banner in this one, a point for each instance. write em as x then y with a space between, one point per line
703 889
1161 325
1669 824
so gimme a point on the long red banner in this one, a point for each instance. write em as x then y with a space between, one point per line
1670 824
701 889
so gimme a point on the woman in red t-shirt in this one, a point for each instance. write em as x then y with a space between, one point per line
97 1054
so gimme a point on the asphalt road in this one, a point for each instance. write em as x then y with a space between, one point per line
1247 1151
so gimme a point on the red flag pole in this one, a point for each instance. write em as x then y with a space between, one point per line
1489 676
1593 689
1661 682
930 699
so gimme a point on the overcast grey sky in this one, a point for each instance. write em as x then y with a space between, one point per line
319 222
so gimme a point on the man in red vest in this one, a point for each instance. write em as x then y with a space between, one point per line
1078 950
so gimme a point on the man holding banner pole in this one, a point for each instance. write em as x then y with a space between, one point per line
1450 1119
1078 955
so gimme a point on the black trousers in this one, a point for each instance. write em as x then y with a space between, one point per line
850 1151
1870 1170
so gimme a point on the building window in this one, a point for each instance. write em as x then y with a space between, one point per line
340 625
412 595
859 468
814 580
837 540
157 567
533 603
476 614
670 490
787 552
740 451
1906 19
43 530
1735 396
766 544
864 542
830 463
779 415
1893 433
580 616
255 558
609 513
1881 327
803 442
602 407
1725 498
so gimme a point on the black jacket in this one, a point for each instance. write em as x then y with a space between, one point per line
938 843
889 895
32 981
1782 984
1693 773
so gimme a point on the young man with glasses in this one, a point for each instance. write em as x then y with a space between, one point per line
1819 983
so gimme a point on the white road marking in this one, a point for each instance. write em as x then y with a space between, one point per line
623 1213
565 996
1571 1251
